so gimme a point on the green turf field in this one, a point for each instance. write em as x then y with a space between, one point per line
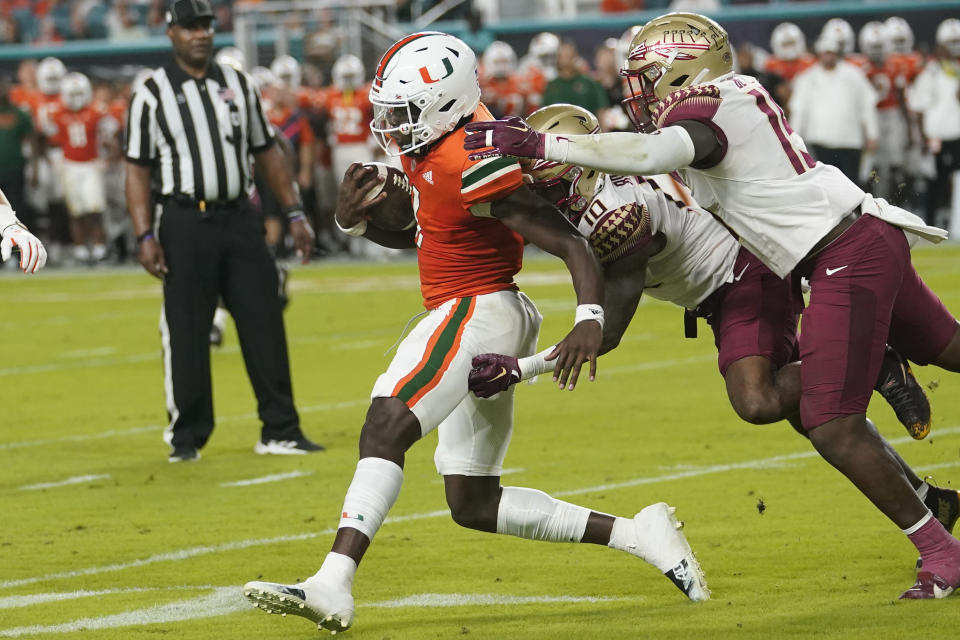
102 539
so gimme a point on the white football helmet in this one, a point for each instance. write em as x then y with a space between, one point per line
787 41
900 34
232 56
543 49
76 91
839 31
347 73
425 84
874 41
264 78
287 70
50 73
499 60
948 36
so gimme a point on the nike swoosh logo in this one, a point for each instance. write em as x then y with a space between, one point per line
745 267
524 129
830 272
503 372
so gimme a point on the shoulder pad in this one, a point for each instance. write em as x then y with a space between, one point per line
694 103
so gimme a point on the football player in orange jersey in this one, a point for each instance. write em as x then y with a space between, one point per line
81 129
501 89
790 55
887 172
348 114
472 218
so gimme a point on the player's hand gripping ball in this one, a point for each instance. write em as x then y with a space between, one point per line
395 213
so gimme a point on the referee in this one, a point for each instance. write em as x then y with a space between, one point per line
194 127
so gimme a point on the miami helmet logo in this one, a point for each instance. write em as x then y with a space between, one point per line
425 72
665 49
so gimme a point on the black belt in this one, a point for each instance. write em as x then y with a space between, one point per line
204 205
845 223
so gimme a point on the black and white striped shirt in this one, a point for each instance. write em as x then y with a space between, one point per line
199 133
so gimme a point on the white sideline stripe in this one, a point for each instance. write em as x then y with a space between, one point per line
276 477
64 483
480 599
222 601
155 427
12 602
227 600
191 552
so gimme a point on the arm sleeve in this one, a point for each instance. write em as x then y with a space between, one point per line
630 154
140 146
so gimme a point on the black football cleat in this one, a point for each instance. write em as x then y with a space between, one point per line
902 392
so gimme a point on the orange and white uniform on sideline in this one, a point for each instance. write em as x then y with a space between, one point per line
348 123
788 69
467 262
504 96
78 135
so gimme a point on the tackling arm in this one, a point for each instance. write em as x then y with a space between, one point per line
624 281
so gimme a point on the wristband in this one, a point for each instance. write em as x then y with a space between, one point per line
532 366
293 212
7 217
146 235
588 312
355 231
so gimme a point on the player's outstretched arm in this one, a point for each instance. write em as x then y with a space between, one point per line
666 150
32 254
540 223
351 213
624 281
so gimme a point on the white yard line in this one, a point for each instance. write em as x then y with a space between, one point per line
191 552
226 600
64 483
276 477
12 602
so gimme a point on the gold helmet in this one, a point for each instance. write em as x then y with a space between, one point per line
564 119
672 52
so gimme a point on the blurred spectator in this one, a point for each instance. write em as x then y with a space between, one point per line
770 81
606 64
156 16
619 6
321 46
9 30
834 109
123 22
936 97
47 32
16 129
573 86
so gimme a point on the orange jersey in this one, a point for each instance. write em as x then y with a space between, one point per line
883 77
24 98
349 114
77 133
905 67
788 69
461 249
293 125
504 96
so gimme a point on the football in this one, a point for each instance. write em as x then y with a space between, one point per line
395 213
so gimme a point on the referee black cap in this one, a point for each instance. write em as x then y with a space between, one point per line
184 12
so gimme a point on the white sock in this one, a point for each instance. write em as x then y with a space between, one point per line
922 491
532 514
220 318
336 569
375 487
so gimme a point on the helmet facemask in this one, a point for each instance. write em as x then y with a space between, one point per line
640 95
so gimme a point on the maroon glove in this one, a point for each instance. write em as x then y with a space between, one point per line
509 137
493 373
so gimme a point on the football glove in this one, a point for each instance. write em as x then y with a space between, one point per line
509 137
493 373
32 254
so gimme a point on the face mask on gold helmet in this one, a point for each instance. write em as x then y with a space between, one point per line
564 119
672 52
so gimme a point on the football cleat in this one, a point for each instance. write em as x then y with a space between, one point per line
329 608
902 391
184 455
927 587
660 541
302 446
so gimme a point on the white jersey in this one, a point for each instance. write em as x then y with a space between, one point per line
766 188
624 215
